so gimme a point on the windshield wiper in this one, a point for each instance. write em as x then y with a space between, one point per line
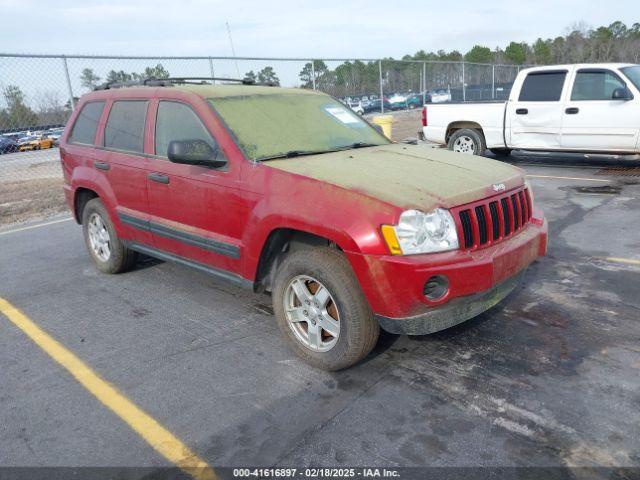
300 153
294 153
354 146
359 145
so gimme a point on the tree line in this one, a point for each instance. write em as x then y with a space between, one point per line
614 43
48 108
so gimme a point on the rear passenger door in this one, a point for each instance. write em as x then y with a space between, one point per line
123 162
535 118
196 211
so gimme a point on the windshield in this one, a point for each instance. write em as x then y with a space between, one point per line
289 124
633 74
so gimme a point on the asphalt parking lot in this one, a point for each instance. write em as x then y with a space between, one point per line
549 377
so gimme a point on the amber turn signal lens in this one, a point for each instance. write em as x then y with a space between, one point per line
389 235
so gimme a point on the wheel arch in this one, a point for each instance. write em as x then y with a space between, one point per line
81 197
87 185
279 242
459 125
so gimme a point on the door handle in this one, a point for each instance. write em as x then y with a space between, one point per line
158 177
572 111
521 111
101 165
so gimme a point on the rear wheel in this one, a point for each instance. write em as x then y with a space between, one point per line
321 310
467 140
105 248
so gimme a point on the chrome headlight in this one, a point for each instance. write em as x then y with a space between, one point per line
419 232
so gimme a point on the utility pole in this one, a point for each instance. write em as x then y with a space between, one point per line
211 70
233 50
72 101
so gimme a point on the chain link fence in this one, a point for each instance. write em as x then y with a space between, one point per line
38 94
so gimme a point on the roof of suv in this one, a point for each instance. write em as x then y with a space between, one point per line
211 91
220 91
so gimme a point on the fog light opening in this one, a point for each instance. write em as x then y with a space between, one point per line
436 287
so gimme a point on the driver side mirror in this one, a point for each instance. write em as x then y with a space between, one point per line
622 93
194 152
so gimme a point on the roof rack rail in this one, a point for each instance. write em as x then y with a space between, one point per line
167 82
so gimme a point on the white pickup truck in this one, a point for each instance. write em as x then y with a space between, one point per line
589 108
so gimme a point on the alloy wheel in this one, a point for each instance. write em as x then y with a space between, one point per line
312 313
99 237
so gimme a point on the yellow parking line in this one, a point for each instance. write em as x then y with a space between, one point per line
570 178
29 227
628 261
163 441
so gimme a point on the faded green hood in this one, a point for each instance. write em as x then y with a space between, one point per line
408 176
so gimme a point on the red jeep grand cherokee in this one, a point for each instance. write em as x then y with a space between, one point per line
289 192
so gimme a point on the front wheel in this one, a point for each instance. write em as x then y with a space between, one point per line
321 310
467 140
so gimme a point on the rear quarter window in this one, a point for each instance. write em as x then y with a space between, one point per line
85 126
542 87
125 126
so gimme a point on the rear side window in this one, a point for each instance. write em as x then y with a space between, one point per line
84 130
176 121
125 126
595 85
542 87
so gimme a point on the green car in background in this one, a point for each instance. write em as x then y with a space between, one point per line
409 102
415 101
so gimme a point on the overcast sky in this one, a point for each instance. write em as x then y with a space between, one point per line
327 28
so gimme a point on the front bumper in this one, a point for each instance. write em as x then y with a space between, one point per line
455 312
394 285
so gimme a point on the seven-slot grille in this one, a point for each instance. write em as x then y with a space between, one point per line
493 219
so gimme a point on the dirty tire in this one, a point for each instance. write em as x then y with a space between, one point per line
359 330
121 258
478 144
501 152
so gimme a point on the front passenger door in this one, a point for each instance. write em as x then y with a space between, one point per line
593 119
195 210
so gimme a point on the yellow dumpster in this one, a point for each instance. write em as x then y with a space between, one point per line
385 121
